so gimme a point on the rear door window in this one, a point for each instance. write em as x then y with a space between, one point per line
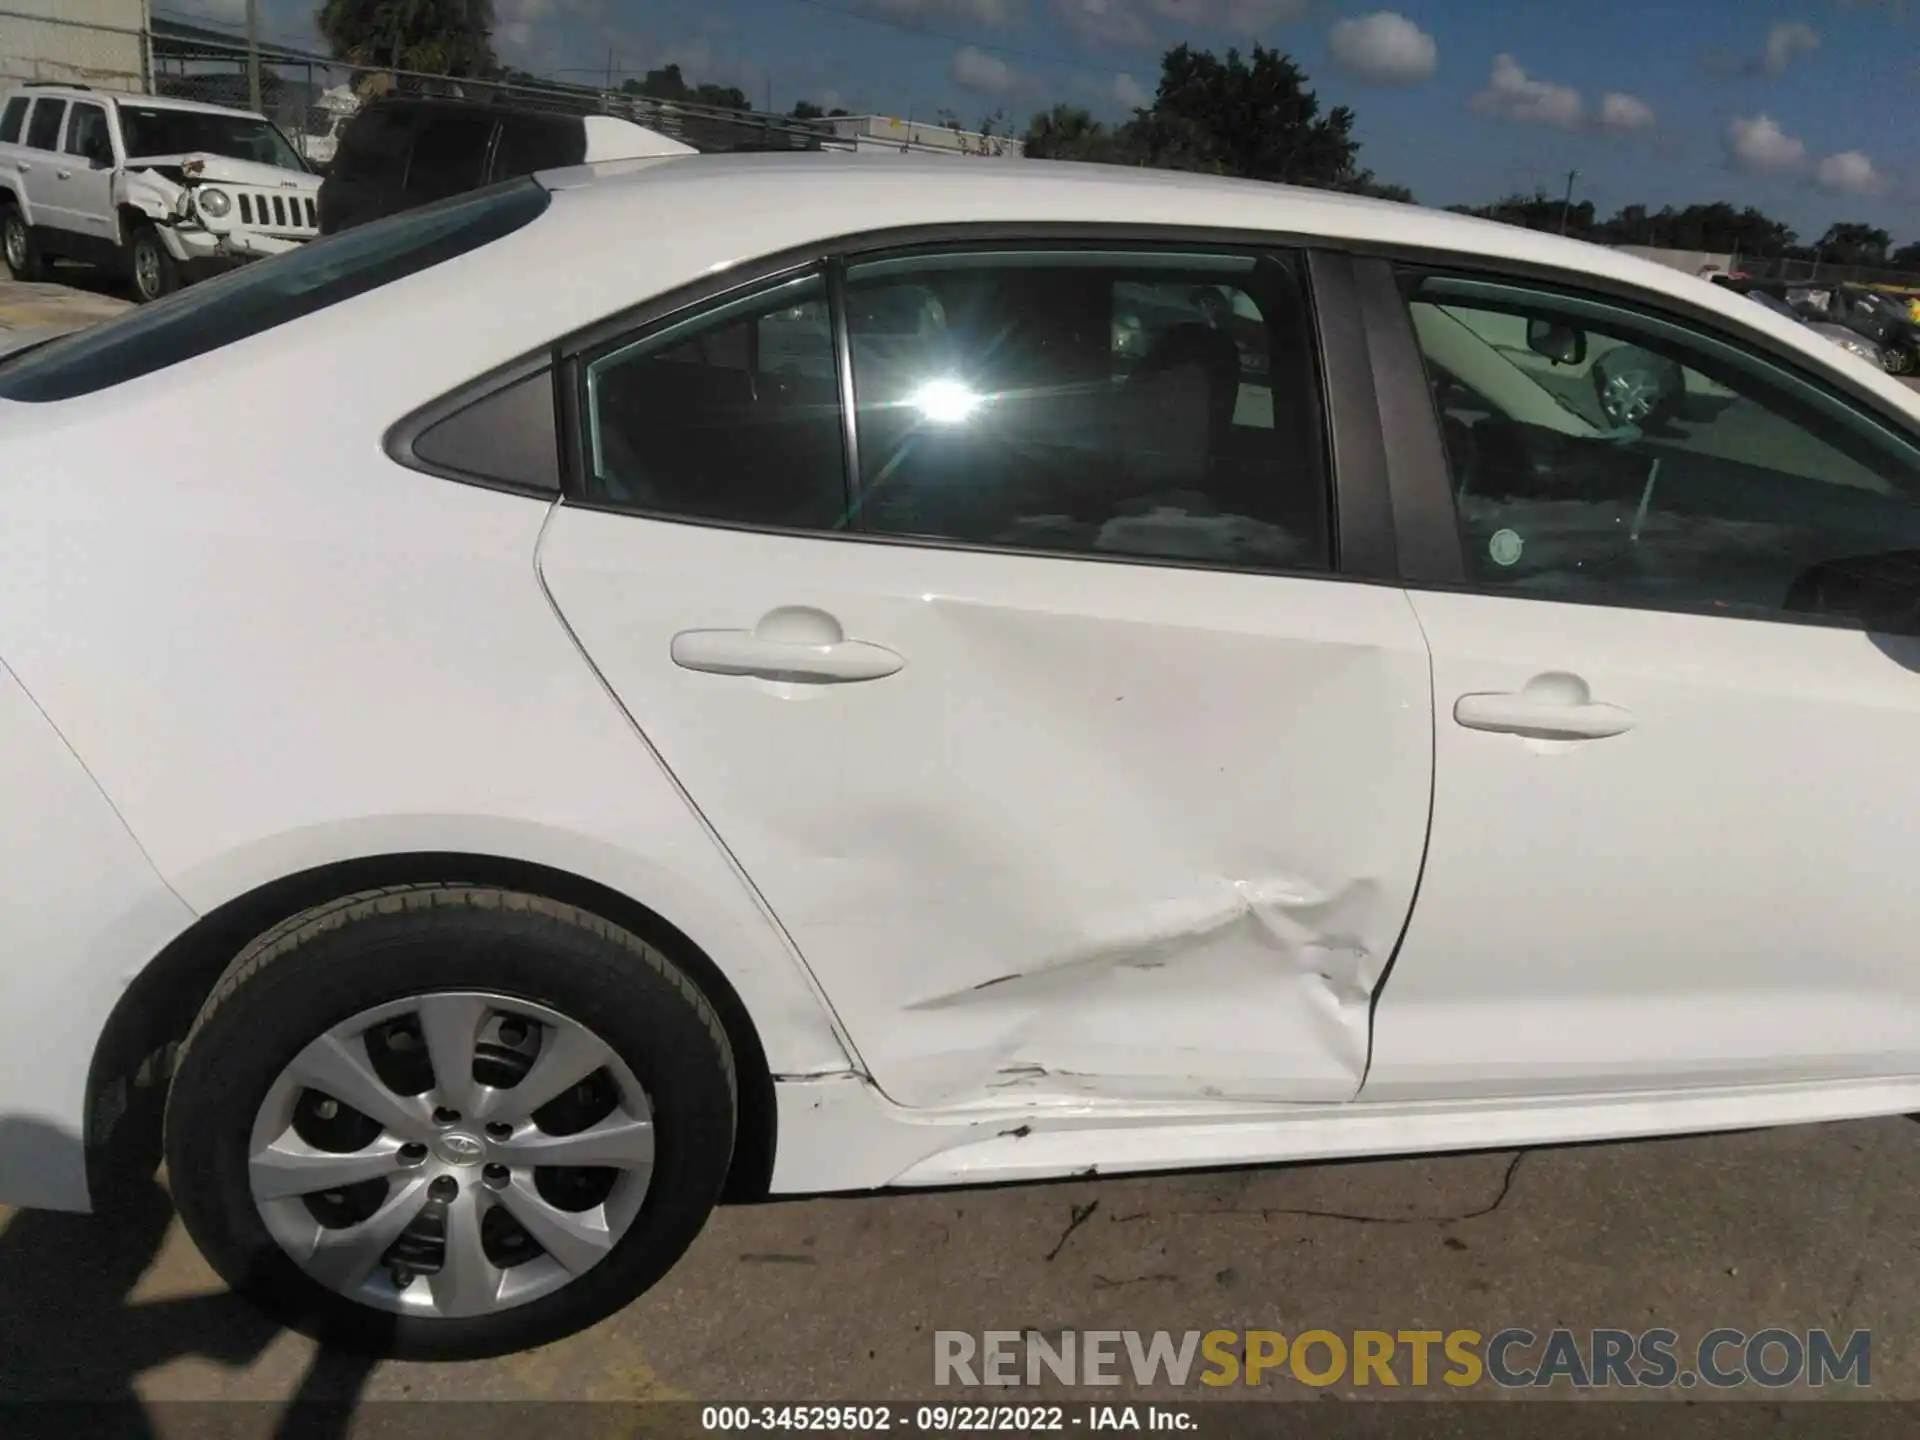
13 120
260 297
449 155
373 148
43 130
538 142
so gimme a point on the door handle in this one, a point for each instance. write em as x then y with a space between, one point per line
1547 707
792 643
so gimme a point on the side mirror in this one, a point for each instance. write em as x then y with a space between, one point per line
1561 344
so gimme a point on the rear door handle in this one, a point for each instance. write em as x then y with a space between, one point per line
1547 707
793 643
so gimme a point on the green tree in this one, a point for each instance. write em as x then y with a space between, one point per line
439 37
1248 116
1251 117
1852 243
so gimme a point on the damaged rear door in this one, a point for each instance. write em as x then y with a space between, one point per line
1031 702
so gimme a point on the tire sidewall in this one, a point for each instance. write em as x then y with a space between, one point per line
166 279
29 269
671 1044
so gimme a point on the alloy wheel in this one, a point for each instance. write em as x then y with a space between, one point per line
16 240
146 271
452 1154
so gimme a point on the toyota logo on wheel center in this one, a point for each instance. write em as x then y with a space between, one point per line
459 1149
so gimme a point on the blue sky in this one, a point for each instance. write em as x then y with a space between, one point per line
1804 109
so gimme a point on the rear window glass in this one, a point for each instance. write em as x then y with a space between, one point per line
267 293
374 145
43 130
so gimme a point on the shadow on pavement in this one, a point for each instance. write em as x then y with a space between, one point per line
74 1340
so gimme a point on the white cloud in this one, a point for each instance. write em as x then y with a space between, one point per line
1516 95
1130 92
976 70
516 20
1113 23
1383 46
1619 111
1757 144
1849 173
1786 42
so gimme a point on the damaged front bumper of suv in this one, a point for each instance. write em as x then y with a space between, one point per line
211 211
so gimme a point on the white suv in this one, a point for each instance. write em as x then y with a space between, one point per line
163 190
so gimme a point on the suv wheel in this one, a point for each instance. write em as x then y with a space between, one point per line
16 240
153 271
1899 360
446 1121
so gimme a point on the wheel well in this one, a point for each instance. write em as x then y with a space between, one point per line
131 218
127 1083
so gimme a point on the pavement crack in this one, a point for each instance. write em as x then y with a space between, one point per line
1078 1216
1103 1283
1268 1212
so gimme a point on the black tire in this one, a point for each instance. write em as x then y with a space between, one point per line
325 966
1899 361
153 273
21 251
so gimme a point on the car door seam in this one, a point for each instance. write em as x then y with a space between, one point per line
841 1033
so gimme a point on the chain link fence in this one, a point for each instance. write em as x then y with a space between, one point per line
311 96
1820 272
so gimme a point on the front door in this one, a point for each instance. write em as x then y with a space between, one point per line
1677 788
1051 737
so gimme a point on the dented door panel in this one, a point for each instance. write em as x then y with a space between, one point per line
1127 830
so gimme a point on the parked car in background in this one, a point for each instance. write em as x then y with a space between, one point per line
1849 340
165 191
400 152
810 704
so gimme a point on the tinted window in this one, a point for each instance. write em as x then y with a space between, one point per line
1149 404
538 142
43 130
12 119
373 147
449 155
259 297
509 437
734 416
87 133
1599 453
157 130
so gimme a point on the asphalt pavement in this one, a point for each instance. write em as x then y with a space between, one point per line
837 1299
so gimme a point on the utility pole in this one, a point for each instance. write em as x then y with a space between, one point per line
253 55
609 67
1566 205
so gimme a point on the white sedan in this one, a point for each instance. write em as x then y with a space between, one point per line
725 675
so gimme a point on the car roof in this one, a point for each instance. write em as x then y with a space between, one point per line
120 97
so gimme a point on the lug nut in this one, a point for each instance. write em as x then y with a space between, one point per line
444 1116
495 1175
326 1109
399 1040
500 1130
412 1153
444 1188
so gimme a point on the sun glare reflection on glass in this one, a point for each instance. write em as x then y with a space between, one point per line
945 402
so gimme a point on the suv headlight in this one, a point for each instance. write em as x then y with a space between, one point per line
213 203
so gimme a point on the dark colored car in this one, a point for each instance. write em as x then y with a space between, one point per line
397 153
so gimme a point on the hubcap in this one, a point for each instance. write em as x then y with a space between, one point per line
16 243
146 271
452 1154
